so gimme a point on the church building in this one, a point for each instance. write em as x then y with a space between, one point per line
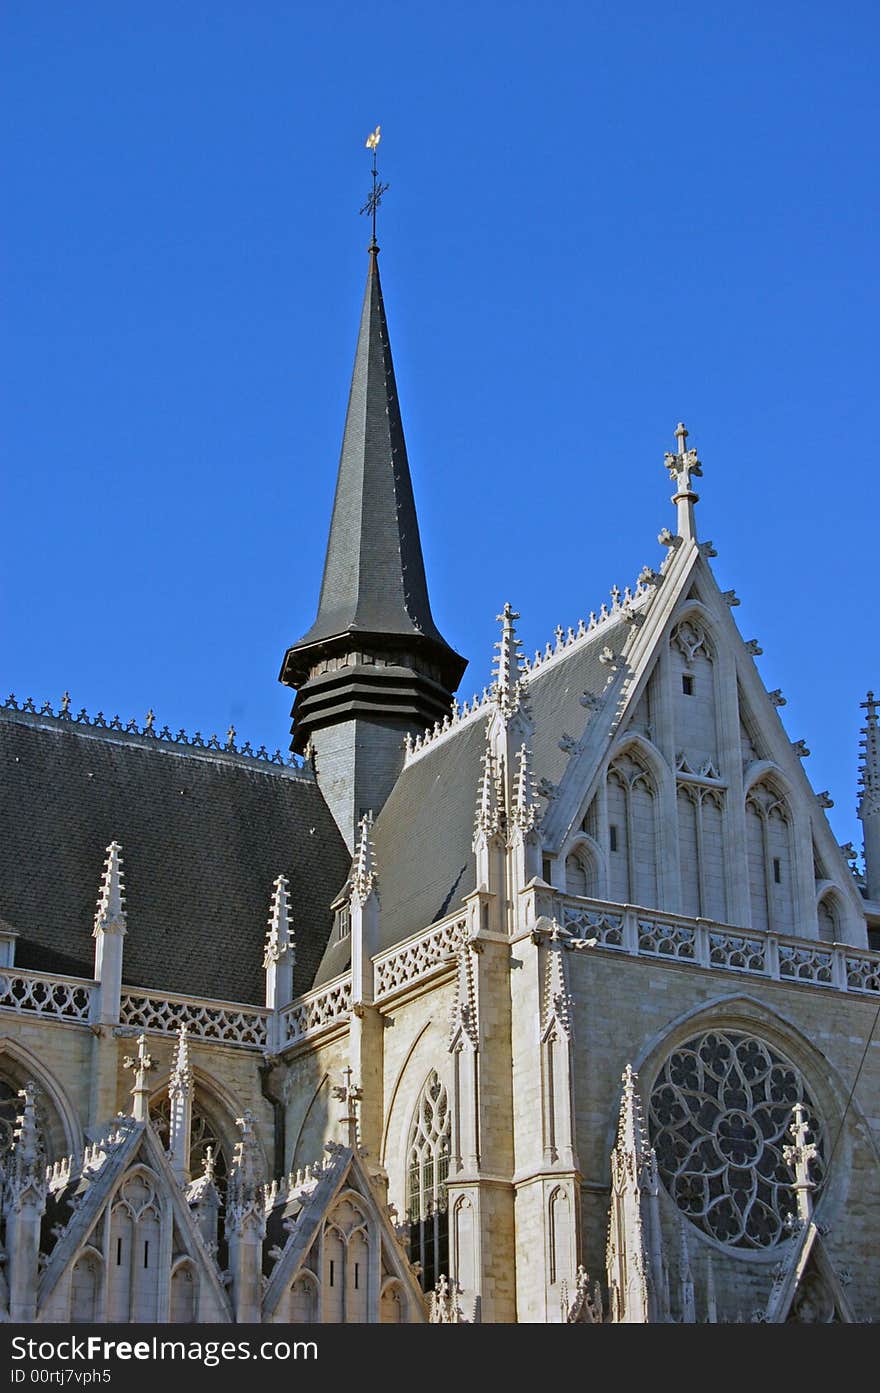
556 1004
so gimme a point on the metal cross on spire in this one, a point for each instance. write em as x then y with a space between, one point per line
378 189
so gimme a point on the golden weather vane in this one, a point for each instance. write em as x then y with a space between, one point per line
378 189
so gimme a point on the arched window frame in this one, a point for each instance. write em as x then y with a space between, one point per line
428 1152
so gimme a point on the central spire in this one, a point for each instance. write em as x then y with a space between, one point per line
373 666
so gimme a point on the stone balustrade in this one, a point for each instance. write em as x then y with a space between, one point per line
702 942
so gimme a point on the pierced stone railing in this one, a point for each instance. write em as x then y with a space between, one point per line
316 1011
226 1022
676 938
418 957
44 994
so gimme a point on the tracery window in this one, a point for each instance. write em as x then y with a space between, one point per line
204 1133
428 1167
718 1117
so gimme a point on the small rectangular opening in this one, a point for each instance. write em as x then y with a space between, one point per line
119 1252
777 871
687 684
331 1272
146 1252
612 837
546 870
356 1275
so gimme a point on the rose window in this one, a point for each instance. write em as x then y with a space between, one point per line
719 1116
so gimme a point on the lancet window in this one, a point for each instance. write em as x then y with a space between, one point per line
428 1167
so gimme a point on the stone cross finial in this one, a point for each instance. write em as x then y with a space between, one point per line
798 1158
349 1094
684 466
141 1064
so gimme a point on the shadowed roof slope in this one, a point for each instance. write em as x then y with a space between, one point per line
202 841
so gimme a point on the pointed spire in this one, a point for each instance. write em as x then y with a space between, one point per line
557 1004
488 816
279 939
141 1065
525 803
363 879
246 1171
374 594
634 1255
632 1136
464 1019
27 1163
180 1091
508 686
869 797
798 1158
110 916
684 466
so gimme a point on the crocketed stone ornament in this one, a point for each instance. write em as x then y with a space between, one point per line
718 1118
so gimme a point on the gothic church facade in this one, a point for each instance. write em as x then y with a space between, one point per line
564 1011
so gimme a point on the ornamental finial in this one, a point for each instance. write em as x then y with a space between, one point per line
684 466
378 189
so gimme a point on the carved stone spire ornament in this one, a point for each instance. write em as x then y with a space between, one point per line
279 957
798 1157
109 935
349 1094
525 807
26 1170
110 915
508 686
180 1098
363 878
684 466
634 1253
141 1065
869 797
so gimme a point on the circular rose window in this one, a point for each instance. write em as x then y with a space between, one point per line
718 1117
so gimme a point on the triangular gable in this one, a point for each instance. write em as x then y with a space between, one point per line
687 578
343 1172
128 1144
807 1259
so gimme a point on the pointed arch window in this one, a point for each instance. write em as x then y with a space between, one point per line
427 1169
632 830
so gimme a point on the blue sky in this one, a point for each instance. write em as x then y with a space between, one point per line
602 218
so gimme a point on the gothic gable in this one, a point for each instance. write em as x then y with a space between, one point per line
130 1249
341 1260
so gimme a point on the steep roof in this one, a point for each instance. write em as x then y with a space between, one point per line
423 835
203 838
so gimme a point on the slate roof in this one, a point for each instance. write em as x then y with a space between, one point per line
202 839
424 832
374 573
